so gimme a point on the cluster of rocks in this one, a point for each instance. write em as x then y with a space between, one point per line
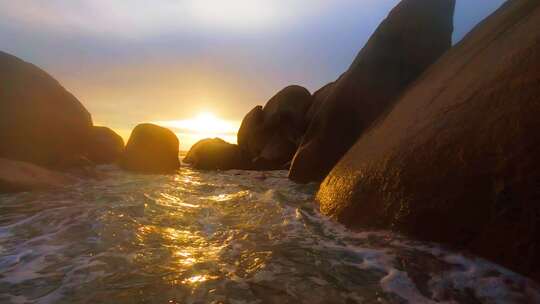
45 132
267 139
439 142
417 136
413 36
308 134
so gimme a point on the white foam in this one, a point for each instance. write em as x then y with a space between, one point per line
399 283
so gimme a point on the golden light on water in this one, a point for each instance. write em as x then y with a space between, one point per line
204 125
190 253
198 279
192 257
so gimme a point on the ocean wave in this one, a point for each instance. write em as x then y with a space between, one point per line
221 237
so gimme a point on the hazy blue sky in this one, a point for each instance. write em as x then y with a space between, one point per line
139 60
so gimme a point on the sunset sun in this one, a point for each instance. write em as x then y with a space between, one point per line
204 125
208 123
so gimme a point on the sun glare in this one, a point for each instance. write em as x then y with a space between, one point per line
204 125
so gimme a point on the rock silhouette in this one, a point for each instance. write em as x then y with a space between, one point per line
414 35
271 134
40 122
457 158
251 126
319 97
104 145
217 154
151 149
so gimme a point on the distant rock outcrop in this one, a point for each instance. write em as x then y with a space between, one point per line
217 154
104 145
17 176
457 159
414 35
151 149
40 122
271 134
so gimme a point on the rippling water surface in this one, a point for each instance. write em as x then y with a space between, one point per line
228 237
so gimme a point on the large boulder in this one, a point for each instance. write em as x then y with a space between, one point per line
285 113
40 122
17 176
319 97
252 126
414 35
217 154
457 158
151 149
271 134
104 145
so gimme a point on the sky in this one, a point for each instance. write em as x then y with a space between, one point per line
176 61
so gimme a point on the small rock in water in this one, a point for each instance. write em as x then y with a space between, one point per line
151 149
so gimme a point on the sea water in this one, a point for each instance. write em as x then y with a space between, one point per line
221 237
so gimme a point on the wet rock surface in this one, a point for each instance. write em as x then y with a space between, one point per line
18 176
456 160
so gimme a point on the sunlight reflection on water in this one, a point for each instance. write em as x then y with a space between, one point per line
220 237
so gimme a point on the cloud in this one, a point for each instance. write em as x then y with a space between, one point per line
140 18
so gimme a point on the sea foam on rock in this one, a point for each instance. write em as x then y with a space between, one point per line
151 149
457 158
414 35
